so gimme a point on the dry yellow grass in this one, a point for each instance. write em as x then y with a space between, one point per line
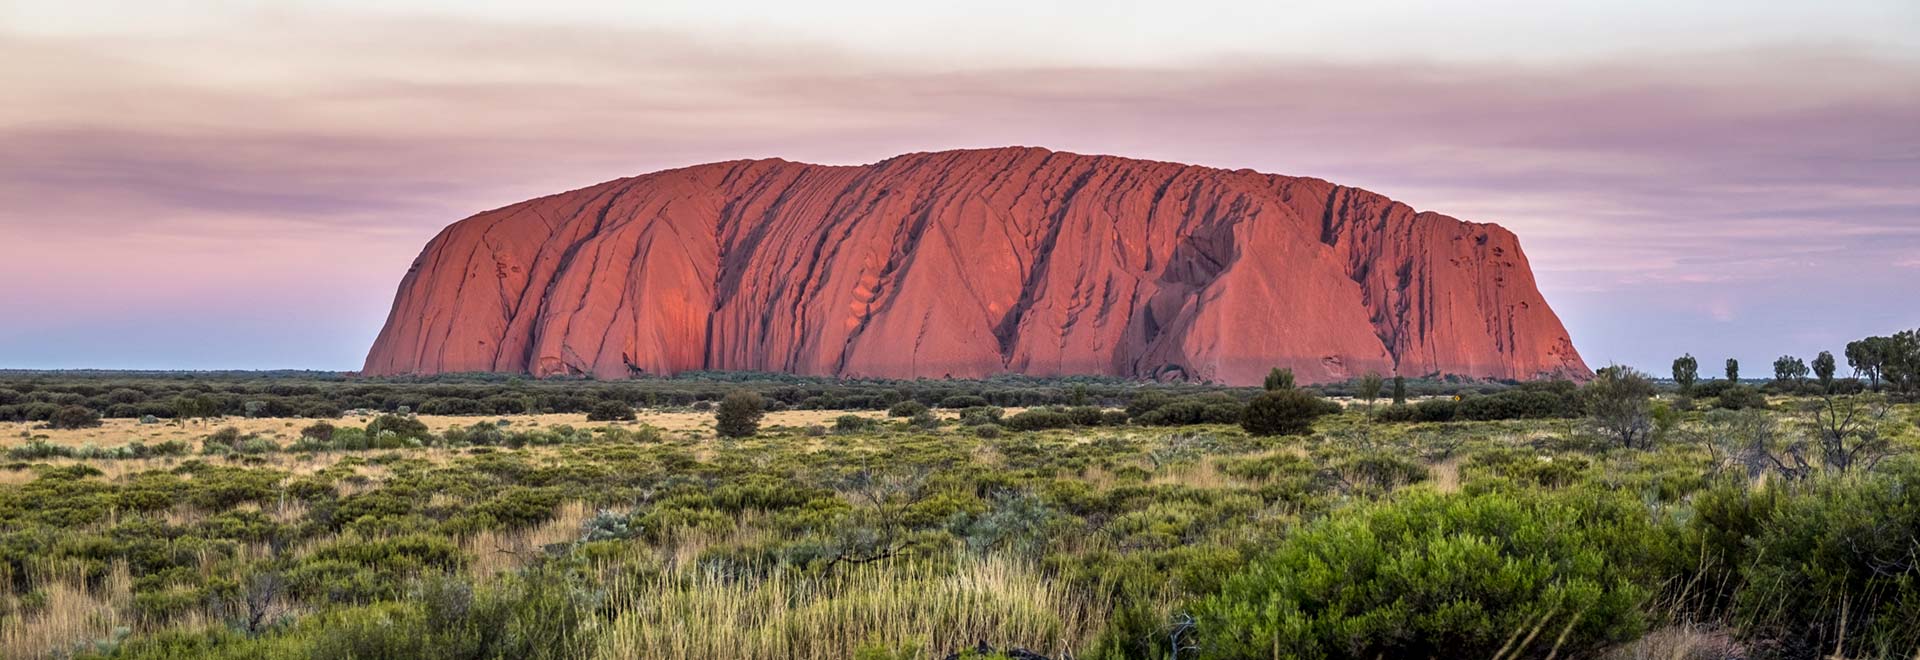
931 607
1683 642
1446 475
496 552
68 613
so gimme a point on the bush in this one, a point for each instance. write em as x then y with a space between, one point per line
1620 402
611 411
1287 411
1086 416
906 408
74 417
403 427
1398 412
981 415
1208 409
1039 419
1441 576
1830 562
321 432
1436 410
960 401
852 423
1520 403
1740 397
738 415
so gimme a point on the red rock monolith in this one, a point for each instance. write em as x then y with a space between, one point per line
970 264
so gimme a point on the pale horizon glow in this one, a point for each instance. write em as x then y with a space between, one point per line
241 185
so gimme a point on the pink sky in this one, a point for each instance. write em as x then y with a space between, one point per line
243 189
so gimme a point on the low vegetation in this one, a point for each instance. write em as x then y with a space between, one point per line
1617 518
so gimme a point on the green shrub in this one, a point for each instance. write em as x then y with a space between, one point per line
906 408
738 415
978 415
401 426
611 411
960 401
74 417
1039 419
1441 576
1208 409
1435 410
1398 412
853 423
1286 411
1740 397
1086 416
321 432
1834 560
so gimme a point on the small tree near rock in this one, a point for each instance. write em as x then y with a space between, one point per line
1369 390
1619 402
738 415
1279 379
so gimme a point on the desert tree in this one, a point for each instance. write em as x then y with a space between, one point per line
1733 370
738 415
1848 429
1399 390
1900 361
1279 379
1823 369
1369 389
1686 371
1788 369
1619 404
1867 356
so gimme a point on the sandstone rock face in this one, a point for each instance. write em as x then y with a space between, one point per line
969 264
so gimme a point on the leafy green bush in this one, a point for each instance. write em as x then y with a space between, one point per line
74 417
1441 576
1039 419
1209 409
960 401
1436 410
1740 397
402 426
978 415
1833 561
906 408
738 415
1286 411
1537 402
611 411
853 423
